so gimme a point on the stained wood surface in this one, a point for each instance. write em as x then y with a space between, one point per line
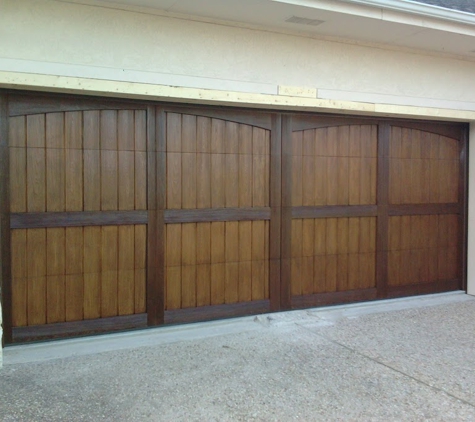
75 273
218 187
114 213
78 161
422 249
424 167
70 171
333 254
212 163
216 263
334 166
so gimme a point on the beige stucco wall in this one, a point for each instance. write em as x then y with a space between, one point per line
49 37
56 46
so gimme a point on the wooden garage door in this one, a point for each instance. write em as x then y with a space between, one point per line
377 209
78 184
218 213
425 241
126 215
334 186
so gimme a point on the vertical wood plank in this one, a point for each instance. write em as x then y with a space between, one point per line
296 251
286 210
74 179
203 259
140 180
203 135
126 270
188 245
92 272
174 180
55 165
296 167
259 168
382 223
109 254
109 182
217 262
126 130
274 280
232 181
36 271
109 170
92 161
73 136
157 190
203 180
188 177
74 290
36 179
19 287
231 291
18 175
173 132
74 282
55 272
140 252
245 257
126 180
217 180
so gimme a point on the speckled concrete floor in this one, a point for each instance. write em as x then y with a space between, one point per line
396 360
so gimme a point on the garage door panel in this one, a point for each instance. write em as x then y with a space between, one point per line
331 168
70 274
231 168
424 167
423 249
214 263
333 254
351 198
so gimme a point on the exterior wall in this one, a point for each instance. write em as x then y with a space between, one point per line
54 38
55 46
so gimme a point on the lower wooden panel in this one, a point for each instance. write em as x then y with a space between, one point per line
334 298
424 288
216 263
206 313
333 255
78 328
422 249
77 273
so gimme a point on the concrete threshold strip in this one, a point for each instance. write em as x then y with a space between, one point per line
60 349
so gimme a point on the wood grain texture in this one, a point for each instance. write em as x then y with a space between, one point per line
77 219
334 166
216 263
333 254
425 164
5 233
231 183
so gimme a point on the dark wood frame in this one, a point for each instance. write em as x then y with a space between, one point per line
5 241
382 209
279 213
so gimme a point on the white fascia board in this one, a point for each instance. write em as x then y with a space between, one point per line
376 8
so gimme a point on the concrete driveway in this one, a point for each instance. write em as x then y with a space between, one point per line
406 359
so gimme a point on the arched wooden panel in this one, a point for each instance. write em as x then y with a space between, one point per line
424 167
214 164
80 161
334 166
334 174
